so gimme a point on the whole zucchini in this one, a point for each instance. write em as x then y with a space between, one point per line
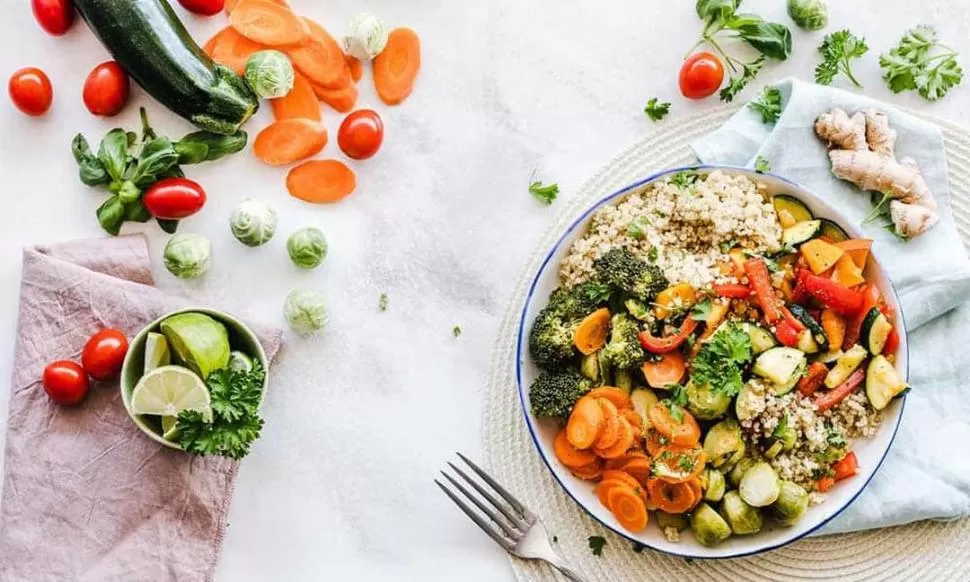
149 41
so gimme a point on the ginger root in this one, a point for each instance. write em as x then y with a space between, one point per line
862 152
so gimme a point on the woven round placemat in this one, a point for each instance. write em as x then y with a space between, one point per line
918 551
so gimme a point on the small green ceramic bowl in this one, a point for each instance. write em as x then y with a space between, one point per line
240 338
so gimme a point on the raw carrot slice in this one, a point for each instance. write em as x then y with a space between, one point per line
618 397
684 431
342 99
231 49
267 22
231 4
667 369
321 59
611 428
585 423
299 103
671 497
590 334
569 455
396 68
639 469
623 443
290 140
321 181
356 68
695 486
628 507
589 472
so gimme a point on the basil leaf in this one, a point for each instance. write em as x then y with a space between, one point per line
217 145
113 153
156 156
111 215
128 192
191 152
173 172
136 212
714 9
90 169
169 226
770 39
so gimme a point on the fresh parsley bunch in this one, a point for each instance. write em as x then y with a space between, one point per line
720 360
921 63
837 50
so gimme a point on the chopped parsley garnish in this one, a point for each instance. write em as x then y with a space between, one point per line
761 165
652 255
920 63
596 543
656 111
544 193
659 213
597 292
676 401
637 227
727 245
382 302
768 105
456 331
684 179
720 360
701 310
837 49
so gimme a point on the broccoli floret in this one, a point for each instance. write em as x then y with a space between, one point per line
553 394
551 338
579 301
621 269
624 350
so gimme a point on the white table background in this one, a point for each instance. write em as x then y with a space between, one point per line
361 417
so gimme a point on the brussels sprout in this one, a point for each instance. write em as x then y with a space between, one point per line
643 400
774 450
742 518
714 486
305 311
737 472
253 223
589 367
366 36
791 503
760 485
709 528
706 404
307 247
722 442
188 256
239 362
677 521
809 14
269 73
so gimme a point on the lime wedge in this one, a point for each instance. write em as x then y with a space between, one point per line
239 362
157 353
168 390
169 432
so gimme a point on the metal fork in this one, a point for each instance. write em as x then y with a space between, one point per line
517 529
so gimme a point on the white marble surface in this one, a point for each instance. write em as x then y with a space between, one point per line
361 418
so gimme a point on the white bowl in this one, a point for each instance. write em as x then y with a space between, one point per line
870 452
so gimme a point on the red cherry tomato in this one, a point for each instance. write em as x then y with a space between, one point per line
31 91
65 382
361 134
104 353
54 16
106 89
203 7
174 198
700 75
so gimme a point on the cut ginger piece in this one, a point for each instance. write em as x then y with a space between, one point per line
290 140
820 255
321 181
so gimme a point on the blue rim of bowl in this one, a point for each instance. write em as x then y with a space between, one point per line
528 421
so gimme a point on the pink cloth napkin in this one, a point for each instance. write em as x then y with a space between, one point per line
86 495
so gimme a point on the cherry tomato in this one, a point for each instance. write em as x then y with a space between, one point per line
174 198
104 353
700 75
106 89
65 382
361 133
54 16
203 7
31 91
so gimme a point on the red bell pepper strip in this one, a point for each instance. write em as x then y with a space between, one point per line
825 483
732 290
838 394
757 272
892 342
786 333
799 295
662 345
833 295
870 298
791 319
846 467
813 379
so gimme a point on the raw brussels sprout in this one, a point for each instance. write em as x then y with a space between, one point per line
677 521
809 14
307 247
760 485
706 404
791 503
305 311
722 442
269 73
714 485
253 223
187 256
742 518
709 528
737 472
366 36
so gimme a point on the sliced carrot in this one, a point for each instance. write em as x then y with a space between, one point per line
569 455
695 487
342 99
356 68
617 463
618 397
396 68
834 326
290 140
674 298
603 488
321 59
671 497
321 181
231 4
585 423
623 443
589 472
611 427
621 476
635 421
666 369
590 334
628 507
299 103
231 49
683 432
679 463
267 22
654 441
639 469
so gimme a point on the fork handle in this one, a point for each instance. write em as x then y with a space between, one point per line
567 573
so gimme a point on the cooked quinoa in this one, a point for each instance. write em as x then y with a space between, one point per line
682 228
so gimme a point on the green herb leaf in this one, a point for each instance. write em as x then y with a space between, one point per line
655 110
737 83
637 227
113 153
721 359
710 9
111 214
90 169
684 179
770 39
128 192
768 105
652 255
190 152
597 292
544 193
921 63
596 544
135 211
761 165
701 310
382 302
155 157
837 49
456 331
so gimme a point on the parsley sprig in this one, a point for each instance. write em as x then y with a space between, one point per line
837 49
596 544
544 193
768 105
719 362
920 63
762 165
656 110
676 401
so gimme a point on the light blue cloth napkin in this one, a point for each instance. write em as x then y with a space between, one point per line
927 472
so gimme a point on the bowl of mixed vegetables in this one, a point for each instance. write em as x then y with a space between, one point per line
711 362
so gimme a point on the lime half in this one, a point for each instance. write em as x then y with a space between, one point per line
169 390
169 432
157 353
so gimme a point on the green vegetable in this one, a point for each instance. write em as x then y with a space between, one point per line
785 433
921 63
150 43
837 49
684 179
305 311
198 341
553 394
677 521
722 442
307 247
761 165
253 223
721 358
205 146
638 227
551 339
709 528
714 485
542 192
676 401
382 302
239 361
809 14
235 424
596 544
760 485
456 331
269 73
621 269
791 503
188 256
742 518
737 472
656 111
705 403
768 104
624 350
